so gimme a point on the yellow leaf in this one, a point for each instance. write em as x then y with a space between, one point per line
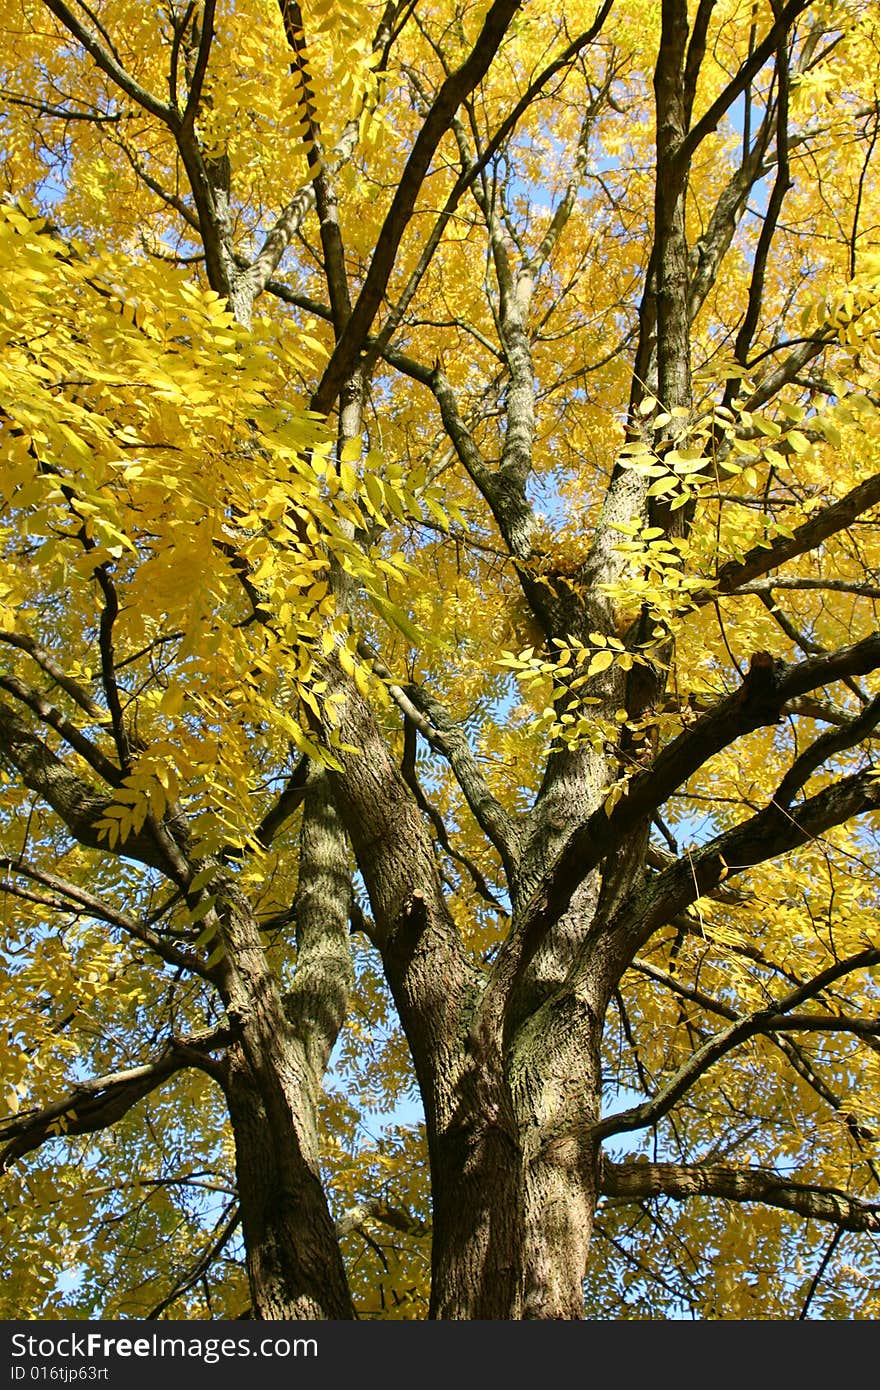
600 662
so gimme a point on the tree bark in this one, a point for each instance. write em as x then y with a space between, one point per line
554 1068
272 1080
476 1176
293 1261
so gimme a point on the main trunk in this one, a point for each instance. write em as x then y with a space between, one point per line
511 1231
514 1172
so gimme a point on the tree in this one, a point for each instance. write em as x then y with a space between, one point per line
439 582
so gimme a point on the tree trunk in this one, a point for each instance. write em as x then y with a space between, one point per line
477 1218
293 1260
514 1171
559 1203
554 1068
512 1216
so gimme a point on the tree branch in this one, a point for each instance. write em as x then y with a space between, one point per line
821 749
200 68
781 185
838 586
109 63
109 614
228 1225
73 737
47 663
319 191
766 689
767 1020
289 799
317 1001
453 91
471 173
637 1181
75 801
96 1104
61 113
408 768
442 733
868 1028
709 120
103 912
395 1218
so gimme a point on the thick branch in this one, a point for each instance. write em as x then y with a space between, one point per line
860 588
708 252
109 63
637 1181
767 688
74 737
749 70
395 1218
97 1104
426 965
47 663
770 833
75 801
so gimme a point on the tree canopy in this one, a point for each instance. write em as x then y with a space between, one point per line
439 659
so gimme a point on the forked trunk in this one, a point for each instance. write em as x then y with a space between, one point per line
515 1180
510 1239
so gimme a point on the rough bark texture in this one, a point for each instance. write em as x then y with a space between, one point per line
293 1259
294 1262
